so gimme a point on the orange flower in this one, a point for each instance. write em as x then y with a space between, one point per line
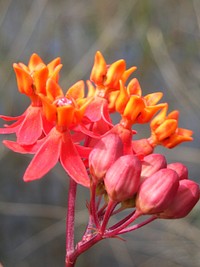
32 79
134 107
107 77
64 110
165 131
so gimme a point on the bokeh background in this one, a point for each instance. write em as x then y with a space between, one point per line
162 38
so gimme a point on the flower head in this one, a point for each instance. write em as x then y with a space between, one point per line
31 81
165 131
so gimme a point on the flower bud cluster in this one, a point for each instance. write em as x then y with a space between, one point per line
165 190
158 188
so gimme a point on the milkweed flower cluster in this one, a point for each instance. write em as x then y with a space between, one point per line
121 170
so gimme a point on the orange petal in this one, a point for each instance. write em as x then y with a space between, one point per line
127 73
34 61
122 99
91 89
40 79
54 68
114 74
148 112
173 115
182 135
134 88
53 90
133 108
99 69
24 80
152 99
53 64
166 129
48 108
158 119
77 90
112 97
65 115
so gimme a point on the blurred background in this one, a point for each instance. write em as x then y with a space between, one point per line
162 38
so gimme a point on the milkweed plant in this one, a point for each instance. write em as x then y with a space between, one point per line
120 169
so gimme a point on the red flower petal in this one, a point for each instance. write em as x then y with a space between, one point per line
94 109
72 162
12 128
31 128
46 157
23 149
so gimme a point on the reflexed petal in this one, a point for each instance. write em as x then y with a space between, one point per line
12 128
72 162
31 128
10 118
23 149
94 110
45 158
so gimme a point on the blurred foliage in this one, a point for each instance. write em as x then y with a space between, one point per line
162 39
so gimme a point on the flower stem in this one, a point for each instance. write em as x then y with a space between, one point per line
70 223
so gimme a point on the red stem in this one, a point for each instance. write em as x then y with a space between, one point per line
93 208
117 230
111 206
137 226
70 223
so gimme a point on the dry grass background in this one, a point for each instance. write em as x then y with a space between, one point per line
162 38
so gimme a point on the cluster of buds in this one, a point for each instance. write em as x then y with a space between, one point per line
149 185
76 129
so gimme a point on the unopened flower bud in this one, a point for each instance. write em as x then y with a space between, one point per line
187 196
108 149
157 191
181 169
123 178
151 164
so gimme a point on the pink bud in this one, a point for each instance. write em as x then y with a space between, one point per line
157 191
181 169
187 196
123 178
151 164
108 149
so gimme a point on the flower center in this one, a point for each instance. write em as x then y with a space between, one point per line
63 101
